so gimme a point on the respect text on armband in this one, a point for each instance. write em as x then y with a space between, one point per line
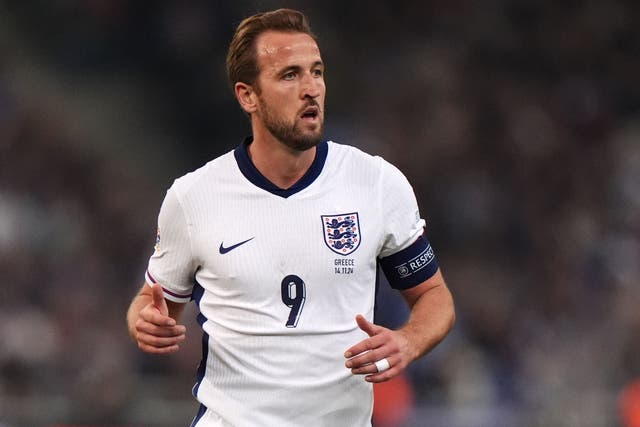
416 264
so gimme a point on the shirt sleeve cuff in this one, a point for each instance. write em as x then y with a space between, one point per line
170 295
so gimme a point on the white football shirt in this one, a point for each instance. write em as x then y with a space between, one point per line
279 276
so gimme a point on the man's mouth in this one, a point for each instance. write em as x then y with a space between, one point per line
310 113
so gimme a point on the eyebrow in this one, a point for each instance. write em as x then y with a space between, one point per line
298 67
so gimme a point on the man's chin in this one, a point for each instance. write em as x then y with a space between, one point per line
298 138
305 140
305 143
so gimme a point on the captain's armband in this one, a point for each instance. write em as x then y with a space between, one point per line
411 266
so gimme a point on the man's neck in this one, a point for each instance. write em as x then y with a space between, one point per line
281 165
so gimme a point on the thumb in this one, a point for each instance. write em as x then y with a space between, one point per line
365 325
157 299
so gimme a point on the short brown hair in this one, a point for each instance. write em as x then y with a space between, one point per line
242 62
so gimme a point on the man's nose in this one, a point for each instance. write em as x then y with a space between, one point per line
311 86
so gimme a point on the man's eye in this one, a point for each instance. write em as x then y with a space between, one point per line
289 76
318 73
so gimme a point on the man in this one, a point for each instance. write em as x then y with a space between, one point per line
278 243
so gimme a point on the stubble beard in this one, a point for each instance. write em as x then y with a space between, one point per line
292 135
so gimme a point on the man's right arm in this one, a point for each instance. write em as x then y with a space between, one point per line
152 321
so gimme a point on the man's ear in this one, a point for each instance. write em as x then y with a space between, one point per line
246 96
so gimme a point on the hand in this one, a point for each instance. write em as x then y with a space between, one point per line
382 343
156 331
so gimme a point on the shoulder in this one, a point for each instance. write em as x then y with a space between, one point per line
348 153
203 176
361 161
340 149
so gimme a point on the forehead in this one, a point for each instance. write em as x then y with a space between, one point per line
277 49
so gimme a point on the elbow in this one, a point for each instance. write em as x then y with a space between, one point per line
452 317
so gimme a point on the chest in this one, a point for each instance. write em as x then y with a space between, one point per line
284 234
267 250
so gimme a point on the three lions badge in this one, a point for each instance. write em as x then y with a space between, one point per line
341 232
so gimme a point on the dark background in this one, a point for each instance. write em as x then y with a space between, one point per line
517 122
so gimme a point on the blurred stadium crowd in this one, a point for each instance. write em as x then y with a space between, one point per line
517 121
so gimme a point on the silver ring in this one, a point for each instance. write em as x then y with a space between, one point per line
382 365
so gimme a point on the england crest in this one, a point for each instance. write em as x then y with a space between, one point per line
341 232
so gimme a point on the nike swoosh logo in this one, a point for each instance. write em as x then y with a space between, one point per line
224 250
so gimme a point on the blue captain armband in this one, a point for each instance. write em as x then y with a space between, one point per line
411 266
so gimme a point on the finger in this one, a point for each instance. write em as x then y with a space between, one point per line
160 331
368 327
383 376
158 350
158 342
157 299
370 368
367 344
152 315
358 353
367 358
364 347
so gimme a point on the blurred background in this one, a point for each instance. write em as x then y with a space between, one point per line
517 121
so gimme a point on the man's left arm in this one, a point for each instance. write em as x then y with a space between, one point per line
431 318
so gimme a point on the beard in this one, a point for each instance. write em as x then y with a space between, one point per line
293 135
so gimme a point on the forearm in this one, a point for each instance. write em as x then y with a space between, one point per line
432 317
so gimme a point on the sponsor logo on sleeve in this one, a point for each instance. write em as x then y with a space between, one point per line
156 248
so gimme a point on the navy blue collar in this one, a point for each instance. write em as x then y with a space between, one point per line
252 173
